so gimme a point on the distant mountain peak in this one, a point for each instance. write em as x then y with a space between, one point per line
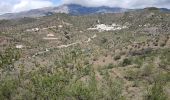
73 9
157 9
151 8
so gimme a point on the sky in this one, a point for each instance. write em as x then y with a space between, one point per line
11 6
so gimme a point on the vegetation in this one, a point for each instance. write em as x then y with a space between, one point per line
57 57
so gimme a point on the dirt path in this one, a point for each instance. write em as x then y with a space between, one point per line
65 46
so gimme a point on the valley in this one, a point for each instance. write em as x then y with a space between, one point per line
111 56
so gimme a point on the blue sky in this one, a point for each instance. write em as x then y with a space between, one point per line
56 2
12 6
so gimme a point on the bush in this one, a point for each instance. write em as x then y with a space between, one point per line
110 66
112 88
117 57
132 74
147 70
7 89
138 61
80 91
8 57
156 93
104 40
126 62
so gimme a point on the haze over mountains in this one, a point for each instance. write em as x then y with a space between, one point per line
73 9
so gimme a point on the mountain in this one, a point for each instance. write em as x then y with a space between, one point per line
36 12
158 9
165 10
72 9
82 10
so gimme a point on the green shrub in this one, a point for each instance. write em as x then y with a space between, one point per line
104 40
110 66
138 61
8 57
8 89
126 62
147 70
156 93
117 57
112 89
132 74
80 91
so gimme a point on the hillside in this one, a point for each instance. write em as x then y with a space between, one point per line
112 56
72 9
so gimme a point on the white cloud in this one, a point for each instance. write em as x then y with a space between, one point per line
30 4
122 3
22 5
7 6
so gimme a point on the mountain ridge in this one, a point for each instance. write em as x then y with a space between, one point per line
72 9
